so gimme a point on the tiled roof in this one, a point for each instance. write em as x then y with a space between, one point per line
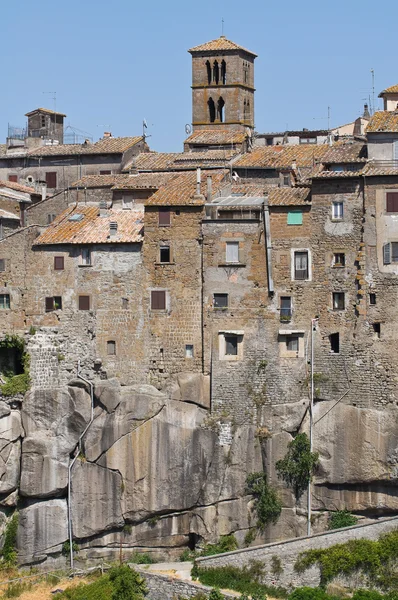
44 110
95 181
282 157
177 161
220 137
346 153
201 158
336 174
384 120
143 181
104 146
154 161
93 229
390 90
181 190
374 170
3 149
219 44
286 196
4 214
18 187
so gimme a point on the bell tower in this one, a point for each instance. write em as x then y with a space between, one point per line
222 86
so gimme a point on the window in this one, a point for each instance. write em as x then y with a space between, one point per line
164 216
105 173
223 72
4 300
295 217
220 109
125 303
208 69
301 265
220 300
337 211
85 257
308 140
216 72
286 308
390 253
58 263
372 298
2 264
232 252
111 348
13 178
339 259
50 218
189 351
212 110
51 179
42 121
338 301
377 330
164 254
286 180
231 345
158 300
53 303
292 343
334 339
84 302
392 201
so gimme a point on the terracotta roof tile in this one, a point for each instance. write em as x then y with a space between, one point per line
346 153
220 43
44 110
336 174
143 181
384 120
104 146
390 90
374 170
154 161
177 161
5 214
181 190
18 187
93 229
96 181
220 137
3 149
288 196
282 157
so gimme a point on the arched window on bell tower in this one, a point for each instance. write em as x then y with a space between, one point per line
223 72
208 67
212 110
216 72
220 109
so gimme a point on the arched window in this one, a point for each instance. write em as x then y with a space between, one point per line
220 109
216 72
208 67
212 110
223 72
248 110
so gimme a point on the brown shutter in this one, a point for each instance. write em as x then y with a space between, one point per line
158 300
58 263
13 178
164 216
84 302
49 304
392 201
105 173
51 179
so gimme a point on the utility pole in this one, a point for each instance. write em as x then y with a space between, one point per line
313 329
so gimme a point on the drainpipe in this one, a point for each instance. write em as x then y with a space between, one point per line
73 462
268 246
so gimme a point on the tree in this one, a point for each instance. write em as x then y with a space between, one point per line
127 584
299 464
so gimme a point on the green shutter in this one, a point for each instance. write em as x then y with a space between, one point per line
295 217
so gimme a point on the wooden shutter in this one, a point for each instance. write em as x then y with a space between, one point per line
84 302
164 216
105 173
13 178
392 201
58 263
158 300
232 252
51 179
49 304
386 254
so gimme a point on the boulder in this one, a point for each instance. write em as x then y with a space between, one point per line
96 496
107 392
287 417
193 387
10 428
4 409
10 459
42 529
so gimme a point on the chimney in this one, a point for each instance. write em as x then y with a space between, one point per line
103 209
198 181
107 134
366 114
112 229
209 188
294 165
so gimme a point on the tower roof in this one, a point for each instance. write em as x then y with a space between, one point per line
218 45
44 110
391 90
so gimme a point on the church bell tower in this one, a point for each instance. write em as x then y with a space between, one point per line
222 86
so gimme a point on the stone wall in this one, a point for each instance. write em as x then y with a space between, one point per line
42 212
164 587
289 551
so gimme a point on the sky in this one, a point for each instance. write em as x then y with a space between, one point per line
114 63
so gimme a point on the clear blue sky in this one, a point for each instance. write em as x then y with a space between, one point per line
113 63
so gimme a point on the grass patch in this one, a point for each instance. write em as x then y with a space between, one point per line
227 543
121 583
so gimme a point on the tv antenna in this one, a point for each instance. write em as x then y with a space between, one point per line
373 91
222 26
54 98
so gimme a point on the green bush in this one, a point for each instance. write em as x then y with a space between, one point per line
15 384
141 558
101 589
367 595
246 580
215 594
267 505
122 583
299 464
9 552
309 593
276 565
342 518
226 543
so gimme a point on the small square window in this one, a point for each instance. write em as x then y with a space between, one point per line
13 178
164 254
292 343
125 303
232 252
4 301
84 302
339 259
286 180
338 301
111 348
372 298
85 257
220 300
2 264
334 339
295 217
231 345
337 211
42 121
164 216
189 351
377 330
158 300
53 303
59 263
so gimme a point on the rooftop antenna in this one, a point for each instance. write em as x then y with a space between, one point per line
54 98
373 90
222 26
